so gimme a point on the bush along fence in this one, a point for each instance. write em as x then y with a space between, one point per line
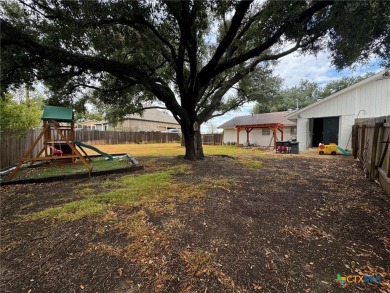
14 144
371 145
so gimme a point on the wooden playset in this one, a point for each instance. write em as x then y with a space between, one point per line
58 139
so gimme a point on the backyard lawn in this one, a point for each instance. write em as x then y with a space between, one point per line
248 221
169 149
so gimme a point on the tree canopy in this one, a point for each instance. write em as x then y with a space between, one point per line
186 55
21 110
299 96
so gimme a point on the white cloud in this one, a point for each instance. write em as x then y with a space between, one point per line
293 68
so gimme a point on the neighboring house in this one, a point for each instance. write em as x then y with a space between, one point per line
330 120
258 129
86 125
102 126
151 120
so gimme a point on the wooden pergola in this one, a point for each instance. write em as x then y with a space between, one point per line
274 127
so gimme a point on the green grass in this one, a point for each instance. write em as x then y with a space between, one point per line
229 150
251 164
129 191
173 149
59 168
222 183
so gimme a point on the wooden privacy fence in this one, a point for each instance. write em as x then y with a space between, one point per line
212 139
15 144
371 145
209 139
97 137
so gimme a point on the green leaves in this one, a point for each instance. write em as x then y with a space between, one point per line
22 115
359 31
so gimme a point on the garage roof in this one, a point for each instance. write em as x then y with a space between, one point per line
257 119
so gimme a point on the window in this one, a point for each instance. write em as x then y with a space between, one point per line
293 130
265 131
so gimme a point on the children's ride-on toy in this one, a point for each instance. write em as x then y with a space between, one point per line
327 149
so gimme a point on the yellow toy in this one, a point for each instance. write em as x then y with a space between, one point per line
327 149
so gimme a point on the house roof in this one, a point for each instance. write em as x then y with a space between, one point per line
256 119
379 75
149 115
87 122
153 115
61 114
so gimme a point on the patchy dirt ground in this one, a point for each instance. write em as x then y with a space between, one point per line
285 224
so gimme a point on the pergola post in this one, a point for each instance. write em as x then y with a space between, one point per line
238 129
248 130
281 129
274 131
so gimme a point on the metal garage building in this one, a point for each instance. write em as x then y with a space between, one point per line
331 119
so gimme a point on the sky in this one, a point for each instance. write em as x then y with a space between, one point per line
293 68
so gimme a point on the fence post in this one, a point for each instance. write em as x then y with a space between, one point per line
363 140
374 147
355 140
388 166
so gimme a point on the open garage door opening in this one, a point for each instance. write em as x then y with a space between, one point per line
324 130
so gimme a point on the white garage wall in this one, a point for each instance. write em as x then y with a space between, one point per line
369 99
302 133
345 135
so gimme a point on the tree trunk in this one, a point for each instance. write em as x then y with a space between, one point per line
199 145
192 143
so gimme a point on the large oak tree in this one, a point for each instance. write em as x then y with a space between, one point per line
185 54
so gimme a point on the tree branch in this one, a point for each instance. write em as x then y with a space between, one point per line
273 39
154 107
62 74
118 69
217 97
111 90
233 107
211 91
24 64
297 46
240 34
242 8
139 23
192 46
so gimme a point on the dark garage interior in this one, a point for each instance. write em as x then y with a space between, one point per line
324 130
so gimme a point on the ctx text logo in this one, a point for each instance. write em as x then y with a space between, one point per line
358 279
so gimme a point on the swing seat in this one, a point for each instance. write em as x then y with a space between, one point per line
56 151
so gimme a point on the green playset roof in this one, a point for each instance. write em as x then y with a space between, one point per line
61 114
